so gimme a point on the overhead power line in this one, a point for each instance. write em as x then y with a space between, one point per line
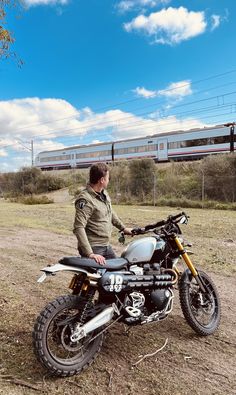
137 99
139 123
102 124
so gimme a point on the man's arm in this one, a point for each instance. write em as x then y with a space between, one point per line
84 210
119 224
116 221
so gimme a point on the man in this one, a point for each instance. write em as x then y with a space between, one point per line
94 217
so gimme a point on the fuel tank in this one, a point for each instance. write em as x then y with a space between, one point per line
140 250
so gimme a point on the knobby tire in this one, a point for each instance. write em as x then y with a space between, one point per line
189 311
54 364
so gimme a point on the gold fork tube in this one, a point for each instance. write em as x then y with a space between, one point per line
186 257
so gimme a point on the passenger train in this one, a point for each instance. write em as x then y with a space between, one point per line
178 145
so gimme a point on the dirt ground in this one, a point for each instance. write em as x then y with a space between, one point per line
188 364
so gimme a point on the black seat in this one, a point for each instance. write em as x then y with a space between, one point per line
111 264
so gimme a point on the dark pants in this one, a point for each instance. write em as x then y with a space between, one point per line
105 251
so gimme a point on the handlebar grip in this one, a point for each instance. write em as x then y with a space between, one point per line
138 231
173 217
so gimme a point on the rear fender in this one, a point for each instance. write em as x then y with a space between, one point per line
58 267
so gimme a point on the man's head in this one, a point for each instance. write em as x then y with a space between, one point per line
99 175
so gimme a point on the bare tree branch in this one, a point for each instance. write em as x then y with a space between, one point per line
150 355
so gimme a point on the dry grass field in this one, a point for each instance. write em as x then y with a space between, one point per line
32 237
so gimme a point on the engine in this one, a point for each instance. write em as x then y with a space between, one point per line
147 308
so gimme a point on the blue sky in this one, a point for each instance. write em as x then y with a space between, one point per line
101 70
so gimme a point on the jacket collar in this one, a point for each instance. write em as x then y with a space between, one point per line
96 194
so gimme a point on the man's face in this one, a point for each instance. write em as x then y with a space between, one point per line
105 180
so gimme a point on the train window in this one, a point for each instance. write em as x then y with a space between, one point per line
199 142
55 158
161 146
95 154
152 147
132 150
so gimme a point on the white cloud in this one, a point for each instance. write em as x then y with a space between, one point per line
128 5
47 145
135 126
31 3
169 26
3 153
175 90
215 20
143 92
31 117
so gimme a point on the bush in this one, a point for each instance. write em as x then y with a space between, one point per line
35 200
219 174
142 173
29 181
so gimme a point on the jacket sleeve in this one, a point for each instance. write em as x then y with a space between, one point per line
116 221
82 214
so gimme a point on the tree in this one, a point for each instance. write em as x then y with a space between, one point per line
142 173
6 37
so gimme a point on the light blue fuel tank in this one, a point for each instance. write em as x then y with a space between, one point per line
140 250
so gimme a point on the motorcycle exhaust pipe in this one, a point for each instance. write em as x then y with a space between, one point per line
101 319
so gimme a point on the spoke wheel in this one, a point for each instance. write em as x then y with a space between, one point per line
52 338
201 310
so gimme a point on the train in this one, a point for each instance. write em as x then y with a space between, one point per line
177 145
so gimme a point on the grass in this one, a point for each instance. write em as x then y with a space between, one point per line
55 218
212 232
37 235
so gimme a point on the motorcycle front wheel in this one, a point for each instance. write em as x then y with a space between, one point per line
201 309
51 338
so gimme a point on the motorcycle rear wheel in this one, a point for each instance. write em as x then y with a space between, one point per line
201 311
51 338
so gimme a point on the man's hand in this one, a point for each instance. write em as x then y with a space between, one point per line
98 258
127 231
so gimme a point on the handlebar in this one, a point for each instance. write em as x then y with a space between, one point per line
170 219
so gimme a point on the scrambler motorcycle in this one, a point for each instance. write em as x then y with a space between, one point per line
135 289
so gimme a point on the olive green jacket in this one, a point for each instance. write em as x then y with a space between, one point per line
94 218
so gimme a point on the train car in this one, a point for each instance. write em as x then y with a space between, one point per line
195 144
57 159
136 148
74 157
178 145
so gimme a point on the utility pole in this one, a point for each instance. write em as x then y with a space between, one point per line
154 189
32 153
203 188
31 148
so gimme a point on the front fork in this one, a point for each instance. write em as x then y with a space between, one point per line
189 263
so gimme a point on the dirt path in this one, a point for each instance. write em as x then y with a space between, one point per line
187 365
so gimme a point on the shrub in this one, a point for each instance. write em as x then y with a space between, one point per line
29 181
35 200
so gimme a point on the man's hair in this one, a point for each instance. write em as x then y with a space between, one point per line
97 171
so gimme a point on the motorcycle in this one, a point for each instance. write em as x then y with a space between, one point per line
136 289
